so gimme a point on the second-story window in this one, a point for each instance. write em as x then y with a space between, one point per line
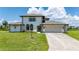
32 19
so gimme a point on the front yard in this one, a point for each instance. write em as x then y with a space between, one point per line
21 41
73 33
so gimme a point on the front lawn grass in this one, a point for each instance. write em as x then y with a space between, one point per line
73 33
21 41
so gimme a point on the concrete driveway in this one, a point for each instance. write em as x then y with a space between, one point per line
61 41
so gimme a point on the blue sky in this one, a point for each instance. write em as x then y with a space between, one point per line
14 13
72 10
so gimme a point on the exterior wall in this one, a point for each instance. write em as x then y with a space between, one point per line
35 23
53 28
66 28
13 29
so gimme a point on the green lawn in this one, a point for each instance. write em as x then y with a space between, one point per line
21 41
73 33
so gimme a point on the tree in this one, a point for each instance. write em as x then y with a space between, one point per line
5 23
1 27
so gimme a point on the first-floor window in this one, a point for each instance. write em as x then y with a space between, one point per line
29 26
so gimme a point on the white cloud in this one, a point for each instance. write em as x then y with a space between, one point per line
33 10
57 14
42 11
76 17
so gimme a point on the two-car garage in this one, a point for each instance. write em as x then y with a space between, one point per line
54 27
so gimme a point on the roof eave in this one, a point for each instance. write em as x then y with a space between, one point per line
32 16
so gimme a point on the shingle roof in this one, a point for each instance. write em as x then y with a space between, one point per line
53 22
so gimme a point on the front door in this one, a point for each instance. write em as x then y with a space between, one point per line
39 28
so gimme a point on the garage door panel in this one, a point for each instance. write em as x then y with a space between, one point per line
54 28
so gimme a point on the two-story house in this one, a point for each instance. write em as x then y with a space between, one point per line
39 24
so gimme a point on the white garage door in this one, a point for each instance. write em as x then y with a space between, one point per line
54 28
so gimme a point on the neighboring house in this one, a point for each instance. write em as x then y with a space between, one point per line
15 27
39 24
